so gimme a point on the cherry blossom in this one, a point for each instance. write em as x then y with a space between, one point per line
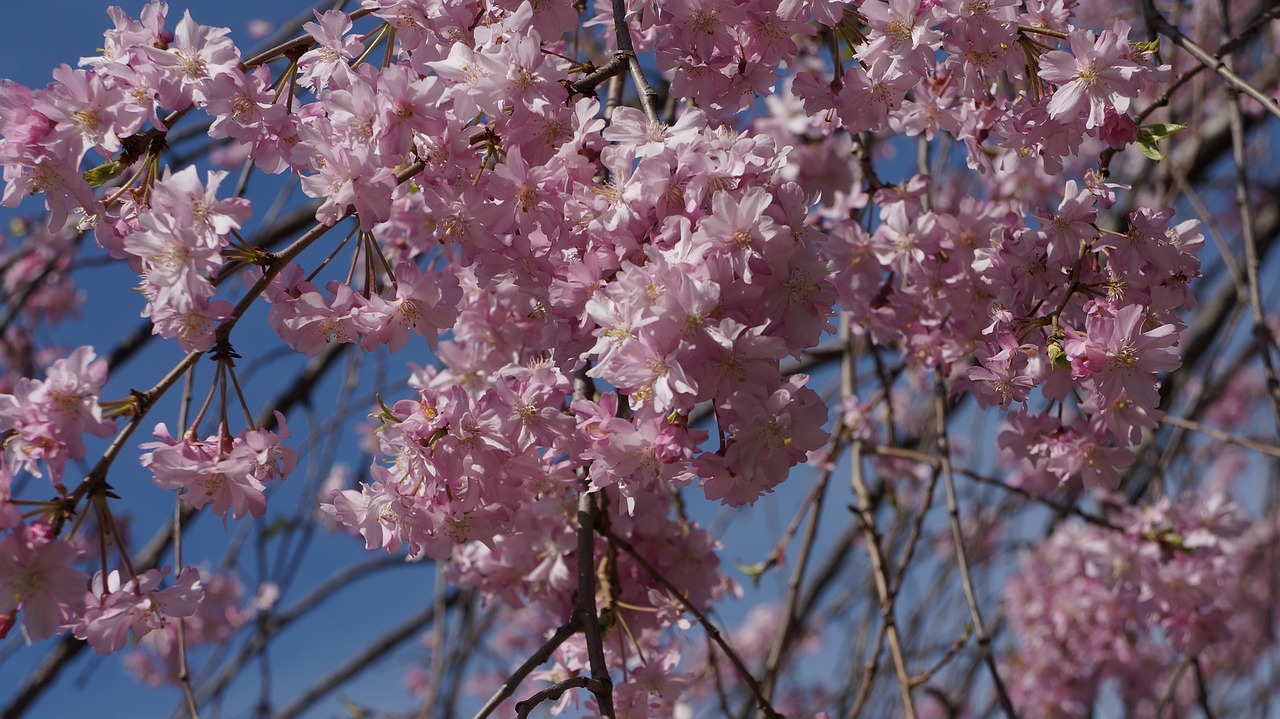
629 261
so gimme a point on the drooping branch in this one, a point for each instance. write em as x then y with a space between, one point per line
710 628
535 660
367 657
622 29
962 562
1210 61
880 572
554 692
585 608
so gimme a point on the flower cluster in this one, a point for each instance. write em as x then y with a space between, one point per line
221 610
37 576
114 608
176 250
229 473
593 277
44 421
1092 605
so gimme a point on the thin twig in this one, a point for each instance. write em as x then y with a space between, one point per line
273 624
1228 48
786 632
1202 689
1224 437
993 482
721 696
962 562
587 84
554 692
869 672
535 660
880 572
145 400
711 629
779 550
625 47
946 658
296 44
362 661
439 640
585 611
1261 330
1164 27
1166 697
184 674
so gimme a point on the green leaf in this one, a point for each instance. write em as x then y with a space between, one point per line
1149 149
386 415
753 571
353 710
103 173
1161 130
1149 135
279 525
1149 47
1058 357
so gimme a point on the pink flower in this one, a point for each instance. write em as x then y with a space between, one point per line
37 578
49 417
64 188
1096 76
328 62
1118 130
1123 354
228 473
1003 375
114 609
198 55
350 177
771 434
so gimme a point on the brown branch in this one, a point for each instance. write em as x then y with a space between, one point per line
145 400
774 558
785 635
554 692
587 84
585 610
992 481
626 48
880 573
1224 437
962 562
534 661
869 673
1217 64
184 671
1228 48
1167 695
1202 689
70 647
271 624
363 660
300 43
712 631
1261 331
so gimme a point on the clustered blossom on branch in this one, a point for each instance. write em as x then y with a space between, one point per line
44 421
1185 581
544 243
229 473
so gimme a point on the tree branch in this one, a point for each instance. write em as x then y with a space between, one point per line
712 631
